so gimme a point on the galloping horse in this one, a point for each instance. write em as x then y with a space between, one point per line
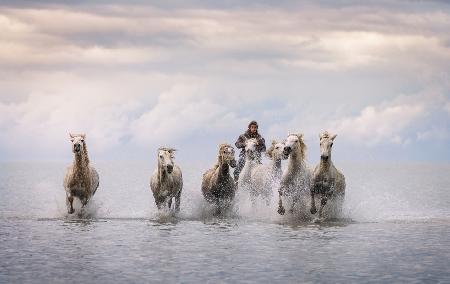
327 181
218 186
81 180
166 182
295 181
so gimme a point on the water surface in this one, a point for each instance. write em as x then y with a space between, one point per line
397 230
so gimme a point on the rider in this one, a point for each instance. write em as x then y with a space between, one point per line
252 132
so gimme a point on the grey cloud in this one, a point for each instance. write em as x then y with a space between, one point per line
119 71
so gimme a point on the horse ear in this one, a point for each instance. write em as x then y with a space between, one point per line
332 137
71 135
300 135
274 142
83 135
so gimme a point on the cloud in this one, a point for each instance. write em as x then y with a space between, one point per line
117 112
133 34
390 121
58 103
136 75
182 110
433 134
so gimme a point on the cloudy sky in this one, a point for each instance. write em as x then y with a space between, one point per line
192 74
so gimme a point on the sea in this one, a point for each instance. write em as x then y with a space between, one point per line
395 229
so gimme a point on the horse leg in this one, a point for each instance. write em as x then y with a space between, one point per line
253 198
177 202
238 168
84 201
158 202
313 209
294 201
169 202
338 203
69 201
218 209
268 199
323 202
281 209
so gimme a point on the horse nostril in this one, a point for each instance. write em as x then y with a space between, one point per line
169 168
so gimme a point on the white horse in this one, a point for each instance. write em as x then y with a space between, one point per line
218 186
81 180
166 182
327 181
266 177
295 182
244 181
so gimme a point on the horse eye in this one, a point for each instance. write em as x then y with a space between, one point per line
160 156
331 145
82 140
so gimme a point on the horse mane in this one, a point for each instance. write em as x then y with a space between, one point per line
85 153
81 169
269 152
168 149
224 145
324 134
303 146
221 147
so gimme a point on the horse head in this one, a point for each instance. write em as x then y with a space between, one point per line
276 151
226 155
78 144
326 143
294 143
165 159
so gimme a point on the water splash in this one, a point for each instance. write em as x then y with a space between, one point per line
374 193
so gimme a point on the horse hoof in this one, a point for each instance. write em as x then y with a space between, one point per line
71 211
281 210
313 211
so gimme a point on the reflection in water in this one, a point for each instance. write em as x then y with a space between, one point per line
133 250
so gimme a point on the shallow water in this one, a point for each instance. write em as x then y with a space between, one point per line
397 230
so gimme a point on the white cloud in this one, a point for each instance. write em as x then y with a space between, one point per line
388 121
59 103
436 133
375 124
110 110
135 75
183 109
